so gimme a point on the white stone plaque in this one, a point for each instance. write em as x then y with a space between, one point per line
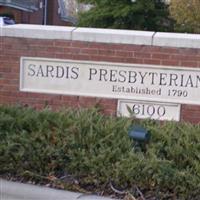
111 80
151 110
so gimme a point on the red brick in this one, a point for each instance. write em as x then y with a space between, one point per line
10 75
147 49
170 62
69 98
185 57
14 82
136 48
79 44
9 87
142 55
81 57
152 61
11 46
72 50
160 56
115 47
166 50
3 81
189 64
62 43
45 54
15 69
89 51
87 101
94 45
55 49
124 53
64 56
40 42
105 101
189 51
106 58
134 60
107 52
11 58
5 69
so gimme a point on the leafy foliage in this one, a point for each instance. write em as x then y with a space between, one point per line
187 15
96 150
149 15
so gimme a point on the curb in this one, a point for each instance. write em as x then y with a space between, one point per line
20 191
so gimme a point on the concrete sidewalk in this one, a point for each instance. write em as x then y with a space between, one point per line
19 191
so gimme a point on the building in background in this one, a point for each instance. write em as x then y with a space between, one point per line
47 12
70 8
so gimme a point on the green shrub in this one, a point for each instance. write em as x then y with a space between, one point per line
96 150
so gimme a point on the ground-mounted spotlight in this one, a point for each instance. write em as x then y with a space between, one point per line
140 136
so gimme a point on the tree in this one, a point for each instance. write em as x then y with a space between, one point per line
187 15
151 15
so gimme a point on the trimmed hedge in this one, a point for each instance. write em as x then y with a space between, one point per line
95 150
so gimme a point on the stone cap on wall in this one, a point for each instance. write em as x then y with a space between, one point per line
180 40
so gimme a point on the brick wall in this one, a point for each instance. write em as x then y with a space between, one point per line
13 47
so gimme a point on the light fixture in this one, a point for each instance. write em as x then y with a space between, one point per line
139 134
140 137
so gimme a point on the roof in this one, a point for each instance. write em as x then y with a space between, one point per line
26 5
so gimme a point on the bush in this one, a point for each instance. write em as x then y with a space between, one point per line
186 14
151 15
96 150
